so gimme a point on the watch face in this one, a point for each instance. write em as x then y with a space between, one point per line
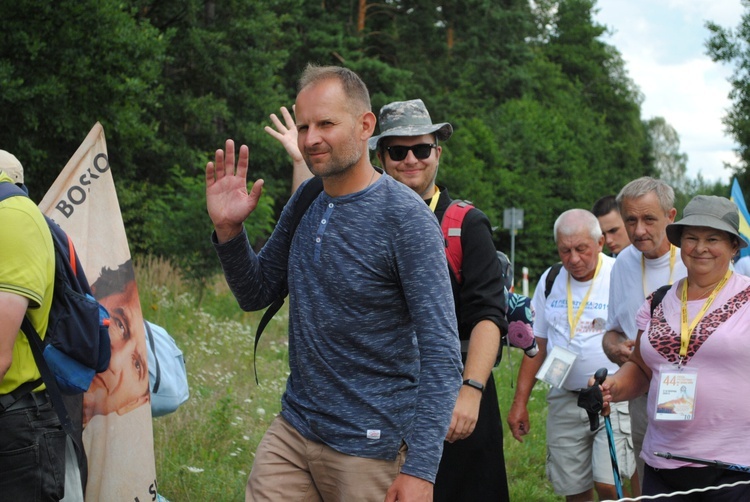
474 383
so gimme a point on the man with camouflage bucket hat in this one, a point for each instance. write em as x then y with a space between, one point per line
415 167
473 465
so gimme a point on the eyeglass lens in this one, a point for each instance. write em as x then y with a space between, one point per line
421 151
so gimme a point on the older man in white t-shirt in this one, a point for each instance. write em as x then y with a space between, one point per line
569 327
647 207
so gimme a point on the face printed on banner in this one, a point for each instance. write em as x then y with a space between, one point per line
124 385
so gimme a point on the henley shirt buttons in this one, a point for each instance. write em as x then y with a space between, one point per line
323 221
317 239
330 204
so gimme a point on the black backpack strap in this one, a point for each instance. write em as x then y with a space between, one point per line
554 271
308 194
657 296
37 348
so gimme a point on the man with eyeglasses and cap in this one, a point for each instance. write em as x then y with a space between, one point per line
473 465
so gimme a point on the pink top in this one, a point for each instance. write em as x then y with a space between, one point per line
720 351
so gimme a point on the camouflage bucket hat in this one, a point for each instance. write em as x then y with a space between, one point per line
408 118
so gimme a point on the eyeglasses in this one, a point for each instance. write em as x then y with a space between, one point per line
421 151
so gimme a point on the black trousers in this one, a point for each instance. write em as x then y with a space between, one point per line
32 453
663 481
473 469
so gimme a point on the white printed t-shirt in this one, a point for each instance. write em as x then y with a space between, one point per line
551 322
626 293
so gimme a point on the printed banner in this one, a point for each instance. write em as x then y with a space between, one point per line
117 429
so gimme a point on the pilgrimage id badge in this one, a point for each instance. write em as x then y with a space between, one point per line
556 367
675 398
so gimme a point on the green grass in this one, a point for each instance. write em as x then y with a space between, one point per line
205 450
524 462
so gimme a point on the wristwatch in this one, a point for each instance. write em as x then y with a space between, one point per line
475 384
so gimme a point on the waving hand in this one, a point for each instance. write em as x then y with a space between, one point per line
227 199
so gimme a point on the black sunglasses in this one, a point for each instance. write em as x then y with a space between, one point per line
421 151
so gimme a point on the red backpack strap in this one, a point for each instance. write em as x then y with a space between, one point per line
451 223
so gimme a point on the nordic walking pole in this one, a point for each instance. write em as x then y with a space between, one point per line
599 378
713 463
592 401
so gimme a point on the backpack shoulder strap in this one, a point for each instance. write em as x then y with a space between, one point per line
554 271
8 189
308 194
657 296
451 223
53 390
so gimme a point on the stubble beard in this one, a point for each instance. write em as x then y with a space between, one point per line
338 164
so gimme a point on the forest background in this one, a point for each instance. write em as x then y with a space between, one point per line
546 117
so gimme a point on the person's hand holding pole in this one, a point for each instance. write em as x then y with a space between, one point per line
592 401
227 199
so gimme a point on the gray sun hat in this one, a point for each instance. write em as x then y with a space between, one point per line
408 118
11 166
709 211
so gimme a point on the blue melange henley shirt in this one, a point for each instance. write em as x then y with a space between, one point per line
373 345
